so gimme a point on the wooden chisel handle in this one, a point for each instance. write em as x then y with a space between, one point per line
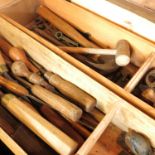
61 123
85 101
13 87
5 46
41 127
3 67
19 54
64 107
63 26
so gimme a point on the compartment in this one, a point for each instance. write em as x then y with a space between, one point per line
116 110
104 37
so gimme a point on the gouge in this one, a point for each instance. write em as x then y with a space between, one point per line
41 127
20 69
19 54
85 101
64 107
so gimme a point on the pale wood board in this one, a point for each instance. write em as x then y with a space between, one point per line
120 16
127 117
11 144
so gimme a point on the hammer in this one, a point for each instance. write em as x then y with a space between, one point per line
122 52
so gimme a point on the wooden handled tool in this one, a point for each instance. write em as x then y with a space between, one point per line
64 107
19 54
3 67
85 101
5 46
61 123
14 87
42 128
149 94
20 69
22 135
63 26
122 52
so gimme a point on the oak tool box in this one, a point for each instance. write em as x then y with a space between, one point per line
62 92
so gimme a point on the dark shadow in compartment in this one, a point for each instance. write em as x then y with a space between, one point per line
4 149
145 89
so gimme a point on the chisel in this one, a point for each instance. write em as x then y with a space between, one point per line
41 127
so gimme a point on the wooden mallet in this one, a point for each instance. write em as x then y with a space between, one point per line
122 52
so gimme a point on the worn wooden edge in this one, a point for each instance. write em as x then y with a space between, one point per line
121 16
127 117
11 144
96 134
98 77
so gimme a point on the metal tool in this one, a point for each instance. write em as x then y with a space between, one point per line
60 36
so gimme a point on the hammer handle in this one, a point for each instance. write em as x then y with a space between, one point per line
5 46
64 107
41 127
83 50
13 87
85 101
63 26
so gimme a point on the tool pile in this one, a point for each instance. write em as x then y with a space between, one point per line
112 63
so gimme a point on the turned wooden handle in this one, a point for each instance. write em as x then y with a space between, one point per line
85 101
41 127
64 107
63 26
13 86
5 46
61 123
3 67
18 54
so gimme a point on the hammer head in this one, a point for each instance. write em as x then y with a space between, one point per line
122 53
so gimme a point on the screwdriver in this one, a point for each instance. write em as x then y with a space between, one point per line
64 107
20 69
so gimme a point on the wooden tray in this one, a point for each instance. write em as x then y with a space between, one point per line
141 46
117 110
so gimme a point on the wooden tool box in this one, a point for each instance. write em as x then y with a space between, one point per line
120 107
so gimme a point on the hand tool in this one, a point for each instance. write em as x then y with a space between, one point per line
22 135
48 37
42 128
64 107
60 36
63 26
138 143
97 114
149 94
19 54
16 88
61 123
20 69
3 67
150 79
5 46
121 53
85 101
